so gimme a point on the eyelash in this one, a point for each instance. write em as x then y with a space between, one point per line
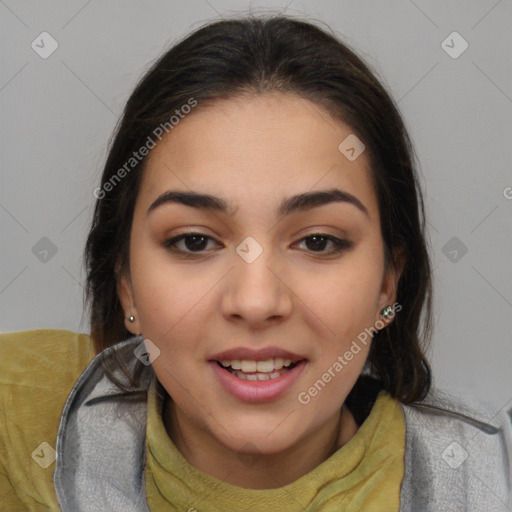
340 245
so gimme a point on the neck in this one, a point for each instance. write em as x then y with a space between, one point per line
261 471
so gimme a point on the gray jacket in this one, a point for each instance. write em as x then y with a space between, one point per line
457 457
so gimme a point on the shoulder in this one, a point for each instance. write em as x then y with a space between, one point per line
41 361
38 369
458 450
33 345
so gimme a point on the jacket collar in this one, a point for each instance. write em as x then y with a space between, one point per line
100 449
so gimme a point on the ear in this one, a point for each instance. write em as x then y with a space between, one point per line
390 285
126 297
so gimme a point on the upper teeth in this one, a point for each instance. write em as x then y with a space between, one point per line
257 366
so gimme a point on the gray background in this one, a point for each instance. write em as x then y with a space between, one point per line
59 113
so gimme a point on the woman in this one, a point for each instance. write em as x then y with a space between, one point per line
257 270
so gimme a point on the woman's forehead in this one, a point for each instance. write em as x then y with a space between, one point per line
283 122
262 148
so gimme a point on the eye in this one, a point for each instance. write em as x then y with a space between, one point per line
194 243
197 243
318 242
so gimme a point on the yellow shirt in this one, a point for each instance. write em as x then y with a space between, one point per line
37 372
38 369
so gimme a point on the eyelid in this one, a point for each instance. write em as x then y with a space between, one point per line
340 244
177 238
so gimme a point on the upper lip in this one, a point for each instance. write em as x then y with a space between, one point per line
250 354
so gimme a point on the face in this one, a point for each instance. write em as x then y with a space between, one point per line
252 278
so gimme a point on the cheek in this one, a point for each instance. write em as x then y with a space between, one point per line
169 313
163 294
172 309
343 299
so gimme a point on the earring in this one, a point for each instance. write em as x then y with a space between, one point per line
131 319
386 312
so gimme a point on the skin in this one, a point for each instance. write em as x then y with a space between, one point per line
255 151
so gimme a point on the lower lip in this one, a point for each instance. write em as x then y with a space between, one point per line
257 391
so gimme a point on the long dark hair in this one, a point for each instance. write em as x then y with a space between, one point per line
253 55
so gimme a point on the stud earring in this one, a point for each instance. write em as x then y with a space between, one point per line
131 319
386 312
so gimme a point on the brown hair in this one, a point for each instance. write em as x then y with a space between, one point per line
252 55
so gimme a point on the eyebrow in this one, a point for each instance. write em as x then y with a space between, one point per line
293 204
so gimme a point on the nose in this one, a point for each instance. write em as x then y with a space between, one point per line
256 292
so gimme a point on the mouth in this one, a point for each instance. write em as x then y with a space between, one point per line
258 370
246 381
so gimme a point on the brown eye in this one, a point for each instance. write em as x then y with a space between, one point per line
193 243
318 241
196 244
